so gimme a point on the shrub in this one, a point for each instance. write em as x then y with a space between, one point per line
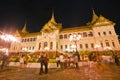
52 60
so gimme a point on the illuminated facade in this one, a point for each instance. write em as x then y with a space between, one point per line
99 31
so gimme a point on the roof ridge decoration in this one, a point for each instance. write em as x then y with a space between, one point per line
53 17
94 16
24 30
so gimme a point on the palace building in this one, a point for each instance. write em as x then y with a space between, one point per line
98 34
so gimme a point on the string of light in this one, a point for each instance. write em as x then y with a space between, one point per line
8 37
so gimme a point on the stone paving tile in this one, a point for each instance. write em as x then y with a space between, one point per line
83 73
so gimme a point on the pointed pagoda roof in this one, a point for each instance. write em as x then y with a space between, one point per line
94 16
51 25
24 30
53 17
75 29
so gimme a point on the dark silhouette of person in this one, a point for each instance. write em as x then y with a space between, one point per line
45 59
57 61
116 58
41 60
4 60
77 54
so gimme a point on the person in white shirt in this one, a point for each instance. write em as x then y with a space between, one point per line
21 61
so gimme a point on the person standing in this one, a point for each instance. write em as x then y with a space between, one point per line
57 61
5 59
76 61
116 58
45 59
21 61
61 57
41 60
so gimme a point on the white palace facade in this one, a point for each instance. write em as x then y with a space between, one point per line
98 34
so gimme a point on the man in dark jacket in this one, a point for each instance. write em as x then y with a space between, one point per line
41 60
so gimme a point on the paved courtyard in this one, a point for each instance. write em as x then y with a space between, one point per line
111 72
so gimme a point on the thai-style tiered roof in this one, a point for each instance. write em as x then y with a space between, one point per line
75 29
51 25
31 34
101 21
98 21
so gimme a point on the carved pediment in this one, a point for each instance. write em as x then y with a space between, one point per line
103 21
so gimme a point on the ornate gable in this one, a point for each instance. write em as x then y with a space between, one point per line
103 21
51 25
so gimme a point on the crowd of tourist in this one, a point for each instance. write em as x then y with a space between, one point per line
67 62
62 61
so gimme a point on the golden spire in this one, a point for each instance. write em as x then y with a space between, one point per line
24 29
94 17
53 17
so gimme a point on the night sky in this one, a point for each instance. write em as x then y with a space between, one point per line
14 13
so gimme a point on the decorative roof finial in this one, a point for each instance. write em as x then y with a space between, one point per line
24 30
53 17
94 17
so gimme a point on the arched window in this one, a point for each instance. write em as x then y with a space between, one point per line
51 45
81 46
39 46
110 32
34 39
60 36
113 44
90 34
107 44
65 36
99 33
65 46
104 33
28 40
86 45
92 45
45 44
61 47
24 40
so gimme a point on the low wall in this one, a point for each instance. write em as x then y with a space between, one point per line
37 65
33 65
